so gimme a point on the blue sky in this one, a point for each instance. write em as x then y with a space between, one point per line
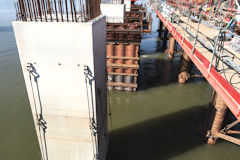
7 12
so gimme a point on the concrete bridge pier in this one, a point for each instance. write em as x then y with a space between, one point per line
220 109
64 67
185 68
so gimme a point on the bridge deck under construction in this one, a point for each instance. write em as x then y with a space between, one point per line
209 35
198 41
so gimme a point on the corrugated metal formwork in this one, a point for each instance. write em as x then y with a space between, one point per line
122 65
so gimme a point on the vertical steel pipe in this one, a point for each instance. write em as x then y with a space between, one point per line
185 66
74 10
171 46
26 9
39 9
218 119
119 61
44 10
30 9
49 10
34 10
66 10
56 12
71 7
61 9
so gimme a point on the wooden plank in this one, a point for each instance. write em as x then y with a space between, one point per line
113 65
125 43
125 30
116 57
117 84
123 74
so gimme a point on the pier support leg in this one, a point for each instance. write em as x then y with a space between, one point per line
218 119
165 32
164 38
185 68
171 45
160 28
64 68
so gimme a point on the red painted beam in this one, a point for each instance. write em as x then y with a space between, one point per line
219 84
206 13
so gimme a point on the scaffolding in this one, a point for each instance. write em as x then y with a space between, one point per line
220 55
206 45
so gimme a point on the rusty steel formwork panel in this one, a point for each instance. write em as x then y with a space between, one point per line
123 32
140 18
138 7
140 14
147 24
134 17
123 41
122 65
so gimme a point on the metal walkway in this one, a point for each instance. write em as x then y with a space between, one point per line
216 59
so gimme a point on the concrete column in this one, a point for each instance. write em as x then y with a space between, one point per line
115 13
171 46
128 5
185 67
218 119
64 67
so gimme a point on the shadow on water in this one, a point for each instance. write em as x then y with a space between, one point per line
159 138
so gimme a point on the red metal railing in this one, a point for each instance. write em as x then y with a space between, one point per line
226 16
220 85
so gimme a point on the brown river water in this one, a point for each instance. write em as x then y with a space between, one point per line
162 120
